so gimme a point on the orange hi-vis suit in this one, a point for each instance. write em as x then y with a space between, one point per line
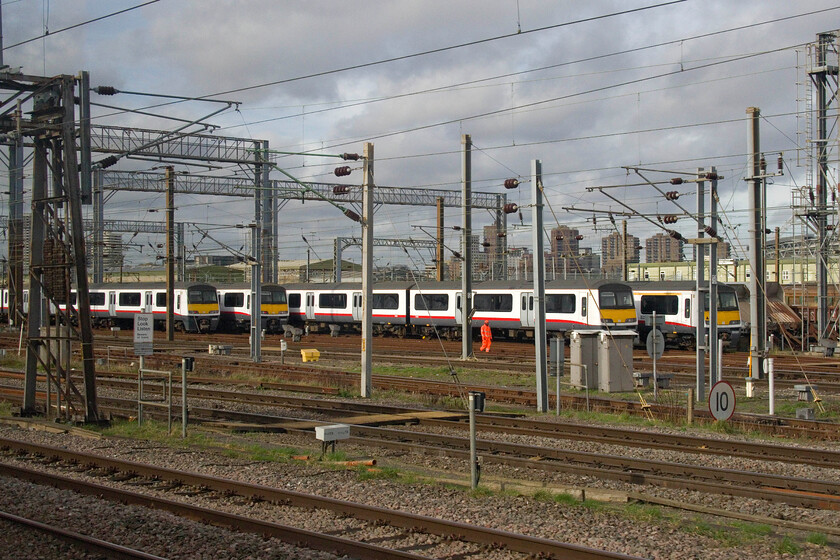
486 336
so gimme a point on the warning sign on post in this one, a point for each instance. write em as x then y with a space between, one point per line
144 332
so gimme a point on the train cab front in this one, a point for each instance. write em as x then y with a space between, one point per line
616 306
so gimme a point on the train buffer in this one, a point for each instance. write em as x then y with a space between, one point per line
805 392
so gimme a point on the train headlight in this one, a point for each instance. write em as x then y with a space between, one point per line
735 322
629 320
610 321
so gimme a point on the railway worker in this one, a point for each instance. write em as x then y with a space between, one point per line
486 336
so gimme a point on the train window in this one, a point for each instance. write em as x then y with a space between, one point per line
524 302
273 296
687 305
72 298
385 301
294 300
160 299
662 304
431 302
727 301
201 296
493 302
615 299
234 299
129 299
559 303
332 301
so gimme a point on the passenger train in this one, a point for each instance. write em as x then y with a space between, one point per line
196 306
675 303
235 307
408 308
419 309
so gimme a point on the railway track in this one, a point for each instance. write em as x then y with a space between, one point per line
118 471
85 543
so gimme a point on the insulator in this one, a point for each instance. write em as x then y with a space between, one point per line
578 237
675 234
762 164
456 228
456 254
350 157
780 162
342 171
670 219
501 234
107 162
511 183
677 181
352 215
659 218
829 227
810 194
485 244
711 231
521 219
105 90
341 189
560 238
510 208
712 176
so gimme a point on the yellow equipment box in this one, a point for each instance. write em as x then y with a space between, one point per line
309 355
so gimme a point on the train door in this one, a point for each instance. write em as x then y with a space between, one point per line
526 309
310 305
147 302
112 304
586 320
357 306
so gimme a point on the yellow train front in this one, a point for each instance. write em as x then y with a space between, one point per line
235 307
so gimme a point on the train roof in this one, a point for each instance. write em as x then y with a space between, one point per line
146 285
388 285
575 283
682 285
244 286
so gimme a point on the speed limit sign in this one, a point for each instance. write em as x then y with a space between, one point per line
722 401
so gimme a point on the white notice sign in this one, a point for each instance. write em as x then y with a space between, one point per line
144 327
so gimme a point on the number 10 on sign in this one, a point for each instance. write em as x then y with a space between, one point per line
722 401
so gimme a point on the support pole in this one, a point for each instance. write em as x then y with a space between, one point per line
170 253
539 287
439 241
466 247
822 146
714 356
757 294
367 273
256 293
702 290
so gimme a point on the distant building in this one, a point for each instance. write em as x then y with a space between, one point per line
216 260
663 248
612 257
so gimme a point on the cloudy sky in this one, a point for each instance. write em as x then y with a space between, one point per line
585 87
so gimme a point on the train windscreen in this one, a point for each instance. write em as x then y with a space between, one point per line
615 299
273 296
201 296
727 301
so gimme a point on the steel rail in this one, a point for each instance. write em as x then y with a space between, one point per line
450 529
88 543
291 535
553 464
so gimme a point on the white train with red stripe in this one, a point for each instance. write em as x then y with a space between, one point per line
409 308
